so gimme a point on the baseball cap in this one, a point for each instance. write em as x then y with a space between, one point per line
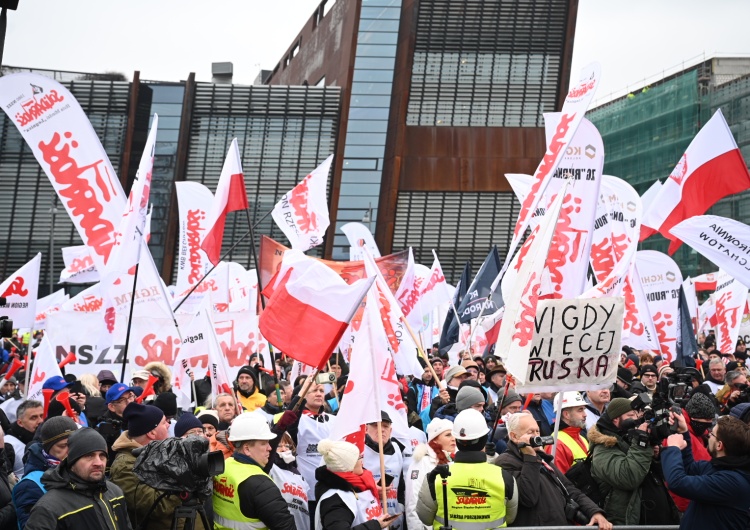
141 374
115 392
56 382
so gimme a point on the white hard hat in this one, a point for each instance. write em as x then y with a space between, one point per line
470 425
249 426
571 399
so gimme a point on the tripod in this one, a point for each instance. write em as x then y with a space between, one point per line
192 506
444 473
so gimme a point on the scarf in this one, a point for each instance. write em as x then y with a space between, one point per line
426 397
363 482
51 460
21 434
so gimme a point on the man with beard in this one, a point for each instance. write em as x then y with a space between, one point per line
572 446
716 372
719 490
247 391
78 495
29 417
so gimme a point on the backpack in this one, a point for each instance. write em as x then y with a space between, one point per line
580 475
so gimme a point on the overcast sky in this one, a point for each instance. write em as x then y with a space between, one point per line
167 39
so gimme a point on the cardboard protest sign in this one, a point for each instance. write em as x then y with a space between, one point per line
576 345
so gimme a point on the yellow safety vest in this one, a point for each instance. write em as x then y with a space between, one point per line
226 500
476 497
579 454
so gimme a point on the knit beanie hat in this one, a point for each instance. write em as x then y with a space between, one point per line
617 407
55 429
186 423
437 427
83 442
624 375
649 369
210 417
741 412
468 396
700 407
167 402
510 398
141 418
338 456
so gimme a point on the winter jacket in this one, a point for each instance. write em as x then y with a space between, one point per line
627 469
700 454
19 438
27 492
334 513
437 402
7 511
71 503
563 454
719 490
541 501
164 372
255 400
139 496
414 397
536 410
424 461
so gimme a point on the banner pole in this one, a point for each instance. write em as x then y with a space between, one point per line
422 353
383 495
559 399
27 375
130 320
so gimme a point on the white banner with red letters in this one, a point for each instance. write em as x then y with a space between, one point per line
730 301
64 143
193 200
79 265
44 366
20 291
661 279
49 304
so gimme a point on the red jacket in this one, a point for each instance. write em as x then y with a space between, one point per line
563 455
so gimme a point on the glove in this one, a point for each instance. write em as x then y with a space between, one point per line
289 418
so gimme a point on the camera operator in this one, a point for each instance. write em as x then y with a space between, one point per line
719 490
622 459
244 495
731 393
546 497
146 423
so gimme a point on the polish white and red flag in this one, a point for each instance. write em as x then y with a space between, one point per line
309 308
705 282
302 213
20 291
711 168
230 196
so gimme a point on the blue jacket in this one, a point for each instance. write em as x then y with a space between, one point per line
28 492
719 497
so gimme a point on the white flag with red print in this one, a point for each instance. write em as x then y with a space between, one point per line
691 299
711 169
193 201
44 367
20 291
661 280
517 327
403 348
436 291
302 213
230 196
221 380
79 265
730 300
48 304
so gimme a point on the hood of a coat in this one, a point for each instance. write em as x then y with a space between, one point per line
423 450
164 371
123 443
35 461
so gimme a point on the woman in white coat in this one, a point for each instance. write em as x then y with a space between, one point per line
439 449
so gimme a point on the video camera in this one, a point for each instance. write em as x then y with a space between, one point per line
656 412
6 326
538 441
744 396
677 387
109 428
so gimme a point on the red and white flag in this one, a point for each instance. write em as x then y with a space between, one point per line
65 144
44 367
302 213
309 308
230 196
711 168
20 290
725 242
730 300
193 201
647 199
79 265
705 282
48 304
707 315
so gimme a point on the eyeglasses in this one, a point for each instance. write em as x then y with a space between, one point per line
126 399
711 433
648 375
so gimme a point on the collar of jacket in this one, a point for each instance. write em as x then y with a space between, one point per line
388 448
62 477
22 434
244 459
470 457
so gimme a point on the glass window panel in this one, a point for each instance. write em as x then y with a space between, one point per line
167 94
374 63
373 75
360 189
370 101
367 126
360 163
378 25
351 175
385 3
376 50
365 139
393 13
368 114
364 151
377 38
371 88
166 109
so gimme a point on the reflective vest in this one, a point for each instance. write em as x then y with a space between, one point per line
227 513
579 454
476 497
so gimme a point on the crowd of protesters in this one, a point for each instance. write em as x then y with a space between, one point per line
475 446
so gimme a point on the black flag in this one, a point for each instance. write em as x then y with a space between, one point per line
450 333
476 296
686 346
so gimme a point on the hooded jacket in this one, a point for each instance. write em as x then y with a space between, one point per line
541 501
71 503
255 399
424 460
164 372
27 492
700 454
719 490
138 495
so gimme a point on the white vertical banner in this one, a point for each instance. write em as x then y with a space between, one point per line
48 304
360 237
661 280
193 200
20 290
730 300
44 367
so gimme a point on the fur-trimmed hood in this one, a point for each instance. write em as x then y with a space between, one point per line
423 450
595 436
164 371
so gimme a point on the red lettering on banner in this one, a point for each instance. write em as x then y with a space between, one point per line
630 320
80 264
374 512
194 219
385 316
235 351
545 168
295 490
529 299
81 197
436 277
409 299
726 319
582 89
16 287
566 242
661 321
109 319
35 107
39 376
525 247
298 199
89 304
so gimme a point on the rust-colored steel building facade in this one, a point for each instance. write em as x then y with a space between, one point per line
440 98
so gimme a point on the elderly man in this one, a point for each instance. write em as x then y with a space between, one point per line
729 395
716 372
29 416
244 495
543 490
78 495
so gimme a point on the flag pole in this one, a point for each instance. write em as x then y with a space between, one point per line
28 371
421 351
305 389
557 422
263 303
130 318
381 454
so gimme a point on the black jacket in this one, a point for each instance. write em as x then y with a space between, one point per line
7 512
261 499
541 501
437 402
334 513
27 493
71 503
